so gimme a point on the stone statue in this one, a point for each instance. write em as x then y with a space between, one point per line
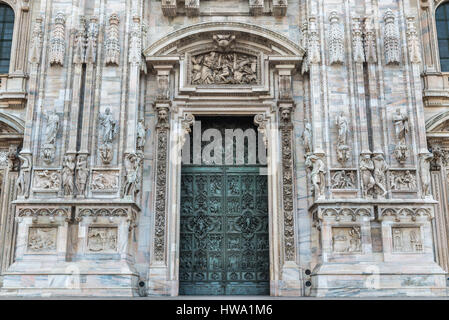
380 170
132 178
366 172
317 175
141 134
68 171
424 164
307 138
82 173
23 181
342 140
109 131
51 132
400 121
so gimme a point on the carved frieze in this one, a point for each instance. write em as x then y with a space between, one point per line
48 212
107 212
344 179
57 40
46 180
112 41
105 180
400 213
403 180
391 38
345 213
42 239
346 240
407 240
102 239
336 40
224 68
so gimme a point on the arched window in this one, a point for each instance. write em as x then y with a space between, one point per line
6 30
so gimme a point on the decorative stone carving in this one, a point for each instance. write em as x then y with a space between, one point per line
317 175
224 42
314 48
108 212
109 129
366 173
280 8
357 41
256 7
401 127
412 213
346 240
163 86
47 212
37 37
47 180
141 134
346 213
192 7
102 239
186 124
305 67
413 41
307 138
57 40
403 180
223 68
11 158
51 132
24 179
343 150
344 180
3 158
285 87
391 39
407 239
105 180
135 46
82 174
68 171
113 41
261 121
91 42
380 171
79 52
336 40
169 8
424 166
370 42
162 128
42 239
132 179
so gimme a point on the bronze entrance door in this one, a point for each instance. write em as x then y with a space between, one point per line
224 231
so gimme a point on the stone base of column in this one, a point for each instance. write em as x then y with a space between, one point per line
160 285
378 280
291 283
75 279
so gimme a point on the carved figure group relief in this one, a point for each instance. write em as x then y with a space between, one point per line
109 130
407 240
344 180
105 180
51 132
42 239
49 180
401 128
346 240
403 180
373 174
102 239
223 68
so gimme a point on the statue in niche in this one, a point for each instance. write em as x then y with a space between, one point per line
401 127
424 165
307 138
366 172
109 131
23 181
51 132
380 170
316 164
141 134
342 141
132 178
68 171
82 173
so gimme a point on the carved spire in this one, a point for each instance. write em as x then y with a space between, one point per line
57 41
336 40
391 38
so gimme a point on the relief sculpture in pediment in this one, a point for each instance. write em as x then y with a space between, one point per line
223 68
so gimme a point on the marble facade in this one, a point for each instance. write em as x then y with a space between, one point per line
349 98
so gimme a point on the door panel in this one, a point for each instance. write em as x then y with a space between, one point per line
224 231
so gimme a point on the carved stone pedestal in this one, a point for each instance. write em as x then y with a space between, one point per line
91 255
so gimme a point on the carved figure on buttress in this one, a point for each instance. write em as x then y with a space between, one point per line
317 175
366 169
82 173
23 181
68 171
307 138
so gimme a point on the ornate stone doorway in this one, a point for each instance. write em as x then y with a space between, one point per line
224 238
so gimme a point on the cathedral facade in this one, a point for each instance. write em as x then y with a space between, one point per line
224 147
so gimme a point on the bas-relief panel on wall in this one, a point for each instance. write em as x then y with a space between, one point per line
407 240
42 239
102 239
346 240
